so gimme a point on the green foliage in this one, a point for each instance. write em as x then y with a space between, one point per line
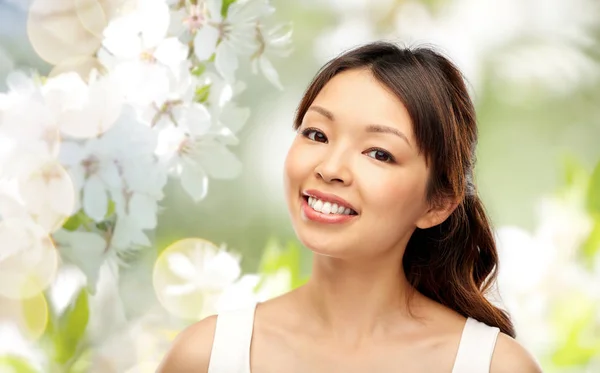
80 218
275 258
593 192
575 173
591 247
66 333
579 180
15 364
199 69
76 220
202 94
574 322
225 7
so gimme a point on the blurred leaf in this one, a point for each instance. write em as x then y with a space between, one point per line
111 209
575 322
72 223
76 220
202 94
575 173
199 69
83 363
591 246
68 333
17 364
225 7
593 194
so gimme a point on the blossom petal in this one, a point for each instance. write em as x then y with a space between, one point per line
154 22
171 52
205 42
144 209
71 153
84 249
95 199
109 173
182 266
234 117
214 8
269 71
226 61
197 119
219 162
221 271
121 37
179 290
138 237
194 182
248 11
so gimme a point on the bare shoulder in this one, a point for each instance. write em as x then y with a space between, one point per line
191 349
510 356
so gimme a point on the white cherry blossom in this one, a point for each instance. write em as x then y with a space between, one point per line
163 101
230 36
272 41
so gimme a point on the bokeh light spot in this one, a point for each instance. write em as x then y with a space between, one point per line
177 278
28 259
92 16
29 315
48 193
82 65
57 33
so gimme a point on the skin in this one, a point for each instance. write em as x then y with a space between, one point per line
353 314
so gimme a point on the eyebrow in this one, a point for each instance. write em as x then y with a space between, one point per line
371 128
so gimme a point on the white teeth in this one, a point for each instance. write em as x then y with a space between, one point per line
327 207
318 205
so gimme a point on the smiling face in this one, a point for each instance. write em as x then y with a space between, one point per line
356 143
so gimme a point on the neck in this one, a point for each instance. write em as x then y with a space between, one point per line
356 300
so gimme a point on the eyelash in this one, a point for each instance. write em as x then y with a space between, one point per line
390 157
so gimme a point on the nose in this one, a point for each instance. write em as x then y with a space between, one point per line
334 168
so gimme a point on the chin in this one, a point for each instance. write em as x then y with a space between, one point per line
330 246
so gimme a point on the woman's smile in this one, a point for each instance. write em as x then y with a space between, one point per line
323 211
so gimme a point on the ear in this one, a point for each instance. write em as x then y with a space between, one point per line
437 213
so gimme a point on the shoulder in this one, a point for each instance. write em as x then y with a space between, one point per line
509 356
190 352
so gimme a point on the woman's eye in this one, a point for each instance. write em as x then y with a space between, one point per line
381 155
314 135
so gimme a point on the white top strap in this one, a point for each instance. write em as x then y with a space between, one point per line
476 348
231 345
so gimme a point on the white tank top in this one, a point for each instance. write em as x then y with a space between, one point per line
233 334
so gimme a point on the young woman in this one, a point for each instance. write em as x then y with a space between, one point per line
379 185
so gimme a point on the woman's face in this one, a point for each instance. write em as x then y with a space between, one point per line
355 148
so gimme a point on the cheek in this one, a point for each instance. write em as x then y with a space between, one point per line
395 198
294 167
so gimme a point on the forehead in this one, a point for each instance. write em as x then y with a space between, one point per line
356 96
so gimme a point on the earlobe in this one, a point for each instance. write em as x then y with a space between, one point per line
436 215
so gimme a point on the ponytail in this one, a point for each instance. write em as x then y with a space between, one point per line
455 263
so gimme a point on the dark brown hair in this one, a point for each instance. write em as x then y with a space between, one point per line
455 262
